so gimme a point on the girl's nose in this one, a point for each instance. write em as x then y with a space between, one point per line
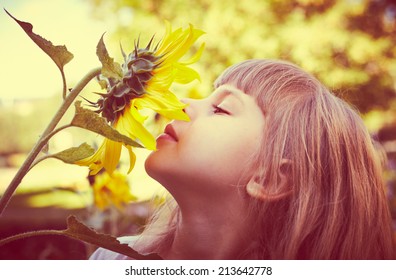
189 110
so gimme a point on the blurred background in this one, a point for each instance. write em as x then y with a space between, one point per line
350 45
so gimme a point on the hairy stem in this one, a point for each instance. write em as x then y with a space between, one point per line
44 139
47 138
30 234
64 84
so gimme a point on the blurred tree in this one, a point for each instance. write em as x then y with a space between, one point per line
350 45
347 44
24 119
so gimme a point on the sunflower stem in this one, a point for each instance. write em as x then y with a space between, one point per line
64 85
4 200
46 139
30 234
37 161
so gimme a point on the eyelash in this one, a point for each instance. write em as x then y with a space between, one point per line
218 110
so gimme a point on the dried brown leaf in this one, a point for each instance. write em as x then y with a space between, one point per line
59 54
77 230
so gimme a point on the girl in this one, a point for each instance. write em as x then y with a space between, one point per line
271 166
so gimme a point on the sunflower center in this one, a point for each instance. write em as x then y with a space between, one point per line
138 70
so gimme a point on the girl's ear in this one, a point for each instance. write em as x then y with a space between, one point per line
276 192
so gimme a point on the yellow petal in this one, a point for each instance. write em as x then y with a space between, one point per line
195 57
169 38
132 158
165 107
94 158
177 48
177 43
136 130
135 113
155 99
112 155
95 168
185 74
94 162
111 190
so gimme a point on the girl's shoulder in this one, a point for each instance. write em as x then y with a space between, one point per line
105 254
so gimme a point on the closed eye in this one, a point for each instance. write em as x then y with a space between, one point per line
218 110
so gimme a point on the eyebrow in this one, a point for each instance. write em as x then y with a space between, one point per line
231 91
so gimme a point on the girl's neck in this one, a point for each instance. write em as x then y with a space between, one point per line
215 232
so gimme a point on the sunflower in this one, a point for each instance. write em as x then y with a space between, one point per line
111 190
147 77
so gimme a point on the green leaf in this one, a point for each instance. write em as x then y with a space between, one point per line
110 69
59 54
90 120
74 154
77 230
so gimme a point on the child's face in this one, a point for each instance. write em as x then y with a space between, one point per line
213 148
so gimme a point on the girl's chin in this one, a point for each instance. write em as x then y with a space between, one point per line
156 164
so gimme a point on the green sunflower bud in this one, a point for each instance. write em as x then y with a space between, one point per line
137 69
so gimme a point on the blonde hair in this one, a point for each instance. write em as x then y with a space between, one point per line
338 209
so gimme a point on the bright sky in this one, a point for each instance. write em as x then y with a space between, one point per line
25 70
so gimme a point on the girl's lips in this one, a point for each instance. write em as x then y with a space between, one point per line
169 133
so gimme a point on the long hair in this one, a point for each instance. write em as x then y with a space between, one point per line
338 208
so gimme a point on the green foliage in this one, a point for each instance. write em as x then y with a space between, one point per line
89 120
110 69
74 154
349 45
